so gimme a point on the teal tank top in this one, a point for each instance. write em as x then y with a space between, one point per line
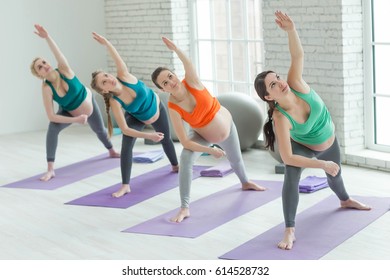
75 95
144 105
318 127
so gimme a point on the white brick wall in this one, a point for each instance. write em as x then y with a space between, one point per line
135 27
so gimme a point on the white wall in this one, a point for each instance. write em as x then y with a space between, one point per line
70 23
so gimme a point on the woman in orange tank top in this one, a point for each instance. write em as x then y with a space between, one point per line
190 102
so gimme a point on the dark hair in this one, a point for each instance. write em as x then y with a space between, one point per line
156 73
261 90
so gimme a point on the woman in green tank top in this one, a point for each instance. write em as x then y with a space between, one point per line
300 122
76 102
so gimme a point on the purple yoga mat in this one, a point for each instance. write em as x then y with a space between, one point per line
69 174
319 229
220 170
143 187
210 212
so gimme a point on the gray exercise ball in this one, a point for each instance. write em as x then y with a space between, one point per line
246 115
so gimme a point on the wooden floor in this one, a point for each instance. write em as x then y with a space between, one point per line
36 224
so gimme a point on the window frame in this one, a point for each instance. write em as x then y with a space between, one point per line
248 84
369 79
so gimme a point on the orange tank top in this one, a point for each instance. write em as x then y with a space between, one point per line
205 109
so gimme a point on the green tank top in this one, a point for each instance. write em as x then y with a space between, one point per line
318 127
75 95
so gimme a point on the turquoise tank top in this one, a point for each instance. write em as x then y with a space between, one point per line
144 105
318 127
75 95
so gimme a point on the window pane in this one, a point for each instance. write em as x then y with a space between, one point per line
224 88
206 61
381 26
237 21
210 87
239 62
240 88
254 20
382 115
220 19
381 64
255 59
222 61
203 25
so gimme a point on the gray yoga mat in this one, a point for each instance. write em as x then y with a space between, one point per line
319 229
143 187
210 212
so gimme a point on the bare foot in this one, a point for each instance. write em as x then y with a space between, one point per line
288 239
252 186
175 168
47 176
183 214
125 189
354 204
113 153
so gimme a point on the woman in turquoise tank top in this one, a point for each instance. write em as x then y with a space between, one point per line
300 122
141 105
76 102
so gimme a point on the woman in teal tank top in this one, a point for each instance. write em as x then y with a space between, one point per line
300 122
142 106
76 102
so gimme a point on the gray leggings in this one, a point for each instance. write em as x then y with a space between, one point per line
231 146
290 193
95 121
160 125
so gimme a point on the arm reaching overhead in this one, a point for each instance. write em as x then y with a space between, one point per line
63 64
294 77
121 67
191 76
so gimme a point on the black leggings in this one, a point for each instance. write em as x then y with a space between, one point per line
160 125
95 121
290 193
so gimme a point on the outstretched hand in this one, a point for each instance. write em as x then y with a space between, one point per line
100 39
41 31
284 21
169 44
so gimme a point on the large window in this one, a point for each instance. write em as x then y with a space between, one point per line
227 40
377 85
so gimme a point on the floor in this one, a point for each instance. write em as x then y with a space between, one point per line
37 225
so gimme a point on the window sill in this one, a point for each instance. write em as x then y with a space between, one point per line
368 159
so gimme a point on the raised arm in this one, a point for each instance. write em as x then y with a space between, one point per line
294 77
191 76
121 67
63 64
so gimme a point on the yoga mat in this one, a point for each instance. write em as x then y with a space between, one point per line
210 212
312 183
220 170
69 174
149 157
142 187
319 229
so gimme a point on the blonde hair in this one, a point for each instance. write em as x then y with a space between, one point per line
32 68
35 73
106 97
